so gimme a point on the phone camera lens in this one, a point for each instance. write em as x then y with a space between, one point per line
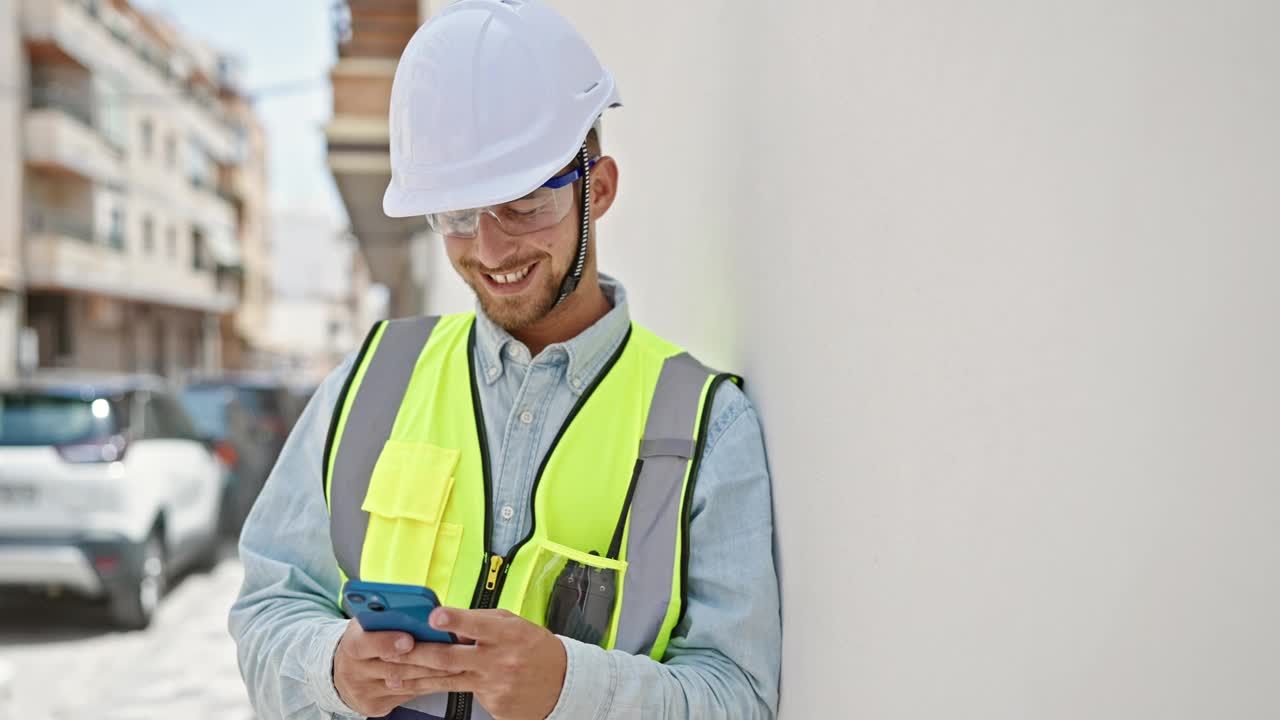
355 599
377 606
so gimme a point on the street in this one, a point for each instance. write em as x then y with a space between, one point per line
67 661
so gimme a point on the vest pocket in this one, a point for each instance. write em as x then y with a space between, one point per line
573 593
407 541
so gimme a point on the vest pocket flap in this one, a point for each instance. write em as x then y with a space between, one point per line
411 480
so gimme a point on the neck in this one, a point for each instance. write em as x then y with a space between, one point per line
582 309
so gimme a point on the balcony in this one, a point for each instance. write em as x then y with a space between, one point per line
61 133
66 252
88 32
358 138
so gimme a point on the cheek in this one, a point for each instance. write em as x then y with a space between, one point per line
559 242
456 248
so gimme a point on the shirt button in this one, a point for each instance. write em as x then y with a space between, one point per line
493 371
576 383
507 512
526 417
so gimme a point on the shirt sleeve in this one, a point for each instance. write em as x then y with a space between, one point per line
724 658
286 622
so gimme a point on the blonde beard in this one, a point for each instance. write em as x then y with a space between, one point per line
514 315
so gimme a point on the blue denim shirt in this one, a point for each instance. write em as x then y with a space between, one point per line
724 657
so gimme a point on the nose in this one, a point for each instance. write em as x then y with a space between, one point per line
493 245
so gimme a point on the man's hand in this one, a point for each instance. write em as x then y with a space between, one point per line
515 668
366 675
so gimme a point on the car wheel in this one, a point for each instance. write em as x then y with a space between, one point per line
210 554
134 604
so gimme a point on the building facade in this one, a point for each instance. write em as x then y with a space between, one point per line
13 75
142 184
371 35
246 332
323 307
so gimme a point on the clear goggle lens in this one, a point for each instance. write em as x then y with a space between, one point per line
541 209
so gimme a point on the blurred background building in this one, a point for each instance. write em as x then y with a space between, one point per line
371 35
13 77
324 302
138 241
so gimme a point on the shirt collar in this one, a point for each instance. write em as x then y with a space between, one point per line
587 352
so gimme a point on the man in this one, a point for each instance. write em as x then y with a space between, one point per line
590 504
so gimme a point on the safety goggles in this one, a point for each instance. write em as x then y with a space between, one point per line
543 208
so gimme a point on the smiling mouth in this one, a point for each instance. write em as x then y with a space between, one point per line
511 277
510 283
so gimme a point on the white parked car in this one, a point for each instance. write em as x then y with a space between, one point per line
105 491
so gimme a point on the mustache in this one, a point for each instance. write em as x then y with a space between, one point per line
472 264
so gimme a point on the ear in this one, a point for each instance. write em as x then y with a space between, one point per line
604 186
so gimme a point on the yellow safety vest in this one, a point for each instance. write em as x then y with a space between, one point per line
409 491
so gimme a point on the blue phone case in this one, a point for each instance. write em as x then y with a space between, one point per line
388 606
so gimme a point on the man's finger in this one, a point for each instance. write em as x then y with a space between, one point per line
464 682
363 645
388 700
403 672
483 626
444 657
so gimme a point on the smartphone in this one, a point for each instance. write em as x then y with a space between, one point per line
389 606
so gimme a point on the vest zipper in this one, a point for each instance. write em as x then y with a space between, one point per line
493 573
493 570
493 576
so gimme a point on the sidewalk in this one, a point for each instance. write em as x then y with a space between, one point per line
183 666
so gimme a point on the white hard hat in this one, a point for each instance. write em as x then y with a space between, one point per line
491 98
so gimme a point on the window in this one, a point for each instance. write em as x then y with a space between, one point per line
122 408
197 249
195 348
170 152
50 418
148 236
199 168
208 406
148 138
115 237
167 419
151 425
171 241
110 111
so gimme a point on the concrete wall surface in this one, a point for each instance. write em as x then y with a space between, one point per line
1001 277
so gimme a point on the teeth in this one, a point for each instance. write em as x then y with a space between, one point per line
510 277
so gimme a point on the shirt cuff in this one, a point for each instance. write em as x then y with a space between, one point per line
590 679
320 671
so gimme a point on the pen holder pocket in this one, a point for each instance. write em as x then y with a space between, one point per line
574 594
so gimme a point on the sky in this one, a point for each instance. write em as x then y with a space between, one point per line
281 43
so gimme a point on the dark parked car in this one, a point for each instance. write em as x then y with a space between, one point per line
247 420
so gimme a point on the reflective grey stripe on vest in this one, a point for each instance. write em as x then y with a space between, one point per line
666 450
373 412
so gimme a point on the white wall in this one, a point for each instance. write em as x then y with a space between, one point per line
1002 279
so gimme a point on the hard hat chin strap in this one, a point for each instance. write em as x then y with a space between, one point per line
574 276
